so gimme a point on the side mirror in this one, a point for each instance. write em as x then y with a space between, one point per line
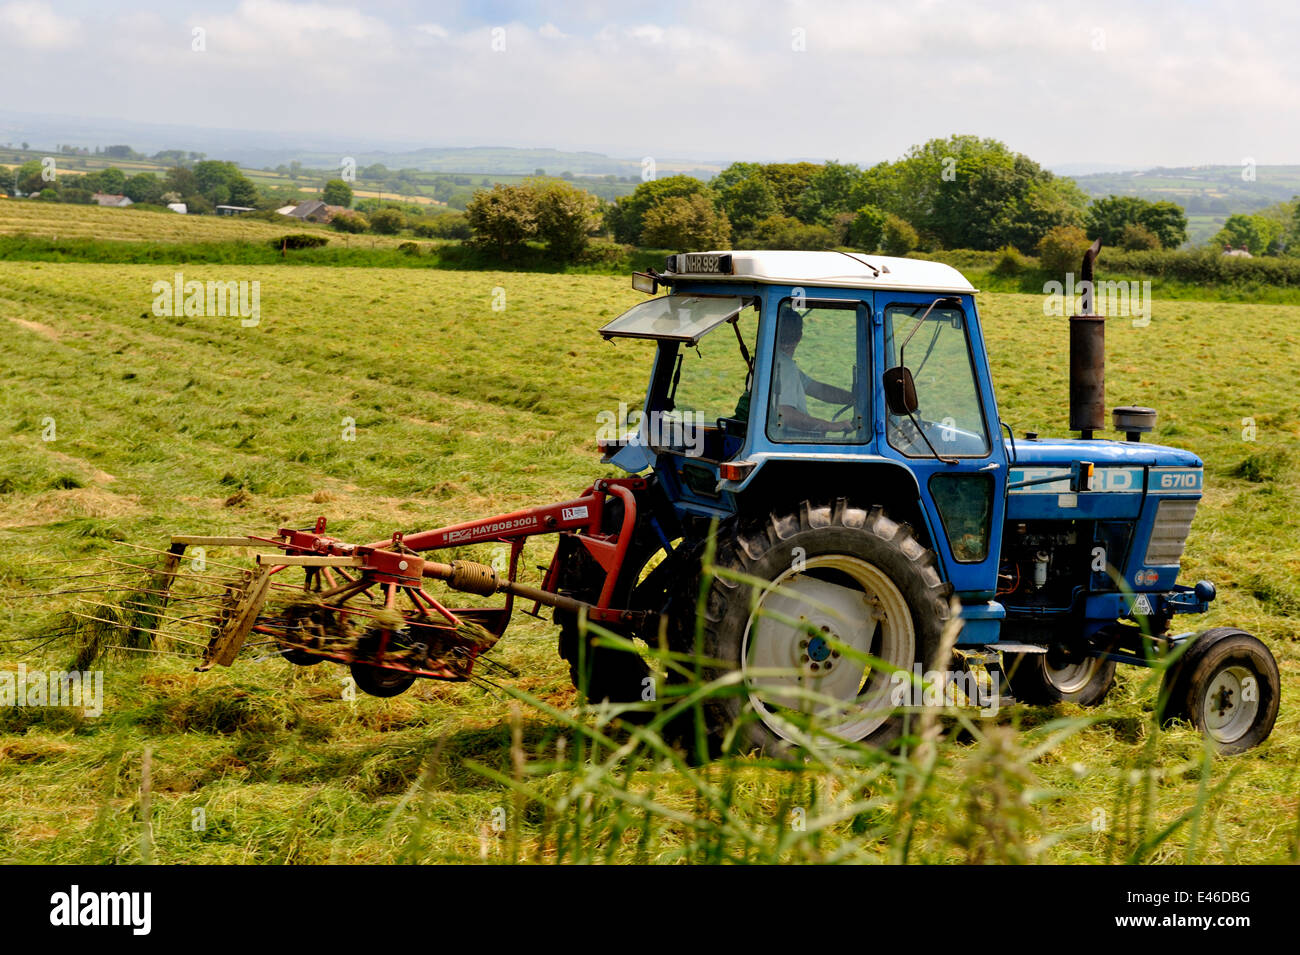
900 390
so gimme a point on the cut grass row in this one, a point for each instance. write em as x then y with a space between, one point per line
462 410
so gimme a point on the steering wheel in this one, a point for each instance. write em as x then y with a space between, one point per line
904 433
847 407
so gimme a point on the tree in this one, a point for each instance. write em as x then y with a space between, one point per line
788 181
625 217
897 236
787 232
353 222
222 183
829 190
337 193
502 218
111 180
1106 219
747 200
685 222
867 228
1255 233
1138 238
967 192
28 177
181 180
1061 249
143 187
387 221
566 216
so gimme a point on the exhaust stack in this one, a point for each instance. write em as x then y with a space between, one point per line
1088 357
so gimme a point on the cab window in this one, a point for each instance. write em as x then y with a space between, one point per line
816 385
949 420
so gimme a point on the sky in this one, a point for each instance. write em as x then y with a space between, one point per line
1114 82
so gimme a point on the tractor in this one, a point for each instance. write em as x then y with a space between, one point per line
820 432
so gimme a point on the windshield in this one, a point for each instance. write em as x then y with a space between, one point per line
684 318
949 420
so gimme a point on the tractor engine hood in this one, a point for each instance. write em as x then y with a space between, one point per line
1062 451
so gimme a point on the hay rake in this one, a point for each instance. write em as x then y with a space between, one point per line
362 606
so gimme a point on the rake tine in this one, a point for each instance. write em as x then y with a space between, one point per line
148 612
102 573
118 625
167 553
170 653
169 636
111 590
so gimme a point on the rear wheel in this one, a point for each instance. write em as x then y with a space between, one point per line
1226 685
843 583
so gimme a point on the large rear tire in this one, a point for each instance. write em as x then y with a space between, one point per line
837 576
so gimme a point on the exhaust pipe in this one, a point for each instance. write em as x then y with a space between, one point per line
1088 357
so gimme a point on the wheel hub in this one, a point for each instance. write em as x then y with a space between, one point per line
805 643
816 654
1229 710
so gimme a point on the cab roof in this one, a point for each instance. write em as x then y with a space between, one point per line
841 269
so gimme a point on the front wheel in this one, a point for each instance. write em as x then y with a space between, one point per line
846 589
1226 685
1057 677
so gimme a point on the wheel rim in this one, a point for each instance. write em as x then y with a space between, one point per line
783 663
1228 715
1070 677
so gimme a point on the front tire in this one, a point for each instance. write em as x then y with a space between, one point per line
1054 677
839 576
1226 685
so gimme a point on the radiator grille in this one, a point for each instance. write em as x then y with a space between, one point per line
1173 522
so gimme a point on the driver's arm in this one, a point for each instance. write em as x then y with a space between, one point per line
828 393
792 417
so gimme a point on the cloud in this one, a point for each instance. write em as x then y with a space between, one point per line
37 27
1113 82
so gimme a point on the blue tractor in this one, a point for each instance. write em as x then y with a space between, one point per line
824 425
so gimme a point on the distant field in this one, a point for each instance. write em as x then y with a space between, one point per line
462 410
72 221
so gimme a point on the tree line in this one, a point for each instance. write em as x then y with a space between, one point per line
962 192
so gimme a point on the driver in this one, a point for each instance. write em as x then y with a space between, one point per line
794 386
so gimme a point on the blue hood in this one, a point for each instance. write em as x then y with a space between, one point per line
1046 451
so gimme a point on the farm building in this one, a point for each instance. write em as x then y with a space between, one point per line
108 199
313 210
233 210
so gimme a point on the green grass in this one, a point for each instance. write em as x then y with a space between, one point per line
462 410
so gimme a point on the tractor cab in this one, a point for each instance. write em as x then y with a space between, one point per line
774 368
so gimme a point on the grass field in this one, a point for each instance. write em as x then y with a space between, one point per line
200 425
58 220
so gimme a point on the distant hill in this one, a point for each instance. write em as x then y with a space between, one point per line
1200 189
1209 194
508 161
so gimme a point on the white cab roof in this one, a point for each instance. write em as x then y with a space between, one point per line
848 270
